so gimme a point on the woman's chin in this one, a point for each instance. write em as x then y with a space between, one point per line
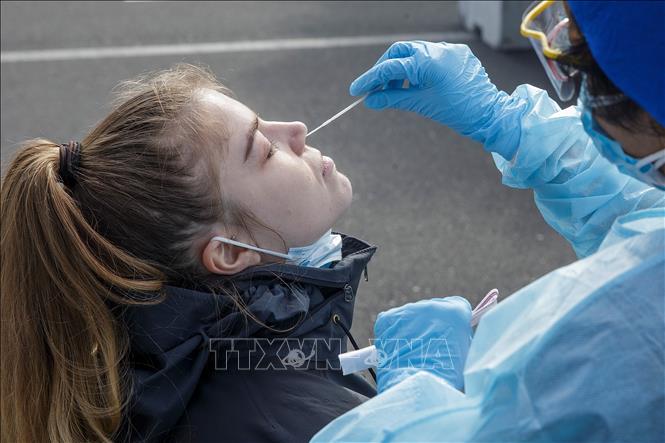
346 189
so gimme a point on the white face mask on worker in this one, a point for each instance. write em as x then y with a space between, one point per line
319 254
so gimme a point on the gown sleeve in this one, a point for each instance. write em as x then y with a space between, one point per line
578 191
554 362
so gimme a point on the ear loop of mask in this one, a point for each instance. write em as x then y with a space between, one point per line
253 248
657 158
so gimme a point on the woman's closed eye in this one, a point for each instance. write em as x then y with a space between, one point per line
271 151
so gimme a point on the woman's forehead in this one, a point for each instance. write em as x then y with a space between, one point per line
227 107
227 115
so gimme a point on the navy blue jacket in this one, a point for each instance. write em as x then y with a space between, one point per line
203 371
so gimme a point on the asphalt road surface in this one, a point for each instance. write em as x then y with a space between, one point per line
430 199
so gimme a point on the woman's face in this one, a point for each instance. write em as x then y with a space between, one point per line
269 170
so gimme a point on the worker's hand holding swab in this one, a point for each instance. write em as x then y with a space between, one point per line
447 83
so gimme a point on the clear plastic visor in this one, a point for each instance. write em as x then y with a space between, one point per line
546 25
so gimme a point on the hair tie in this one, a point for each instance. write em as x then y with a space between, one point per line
69 162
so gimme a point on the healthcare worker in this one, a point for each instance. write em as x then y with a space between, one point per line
577 355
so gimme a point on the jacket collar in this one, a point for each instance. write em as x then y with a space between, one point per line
281 295
171 341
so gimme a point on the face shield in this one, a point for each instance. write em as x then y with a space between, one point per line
546 25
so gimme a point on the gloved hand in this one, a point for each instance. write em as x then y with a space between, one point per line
447 83
431 335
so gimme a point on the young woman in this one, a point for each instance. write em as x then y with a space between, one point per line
135 303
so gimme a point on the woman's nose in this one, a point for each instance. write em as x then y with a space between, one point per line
298 134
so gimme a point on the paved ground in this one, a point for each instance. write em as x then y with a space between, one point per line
429 198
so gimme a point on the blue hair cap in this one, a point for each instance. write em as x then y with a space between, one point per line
627 40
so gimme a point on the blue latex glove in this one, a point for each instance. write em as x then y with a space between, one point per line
431 335
448 84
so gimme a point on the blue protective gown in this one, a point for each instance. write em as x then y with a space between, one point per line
577 355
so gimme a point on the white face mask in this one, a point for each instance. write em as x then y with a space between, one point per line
319 254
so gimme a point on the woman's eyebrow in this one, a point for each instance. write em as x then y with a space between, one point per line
250 136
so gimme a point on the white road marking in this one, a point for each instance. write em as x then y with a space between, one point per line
223 47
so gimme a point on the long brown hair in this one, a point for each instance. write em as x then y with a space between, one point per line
145 192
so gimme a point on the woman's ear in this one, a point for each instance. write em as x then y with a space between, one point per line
225 259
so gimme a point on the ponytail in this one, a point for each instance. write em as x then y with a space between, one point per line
75 253
62 351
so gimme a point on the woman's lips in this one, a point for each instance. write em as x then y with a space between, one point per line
327 165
